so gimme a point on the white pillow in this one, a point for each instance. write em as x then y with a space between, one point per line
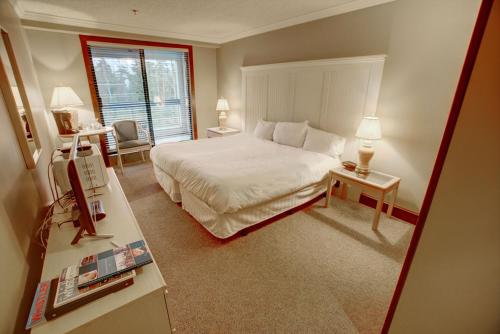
264 130
291 134
324 142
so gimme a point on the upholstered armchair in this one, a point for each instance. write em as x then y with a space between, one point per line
129 136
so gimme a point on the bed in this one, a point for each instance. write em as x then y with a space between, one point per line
230 183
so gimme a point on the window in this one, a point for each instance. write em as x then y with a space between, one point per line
151 85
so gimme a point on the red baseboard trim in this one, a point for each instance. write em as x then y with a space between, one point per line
398 212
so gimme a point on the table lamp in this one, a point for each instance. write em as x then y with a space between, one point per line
63 98
222 108
368 130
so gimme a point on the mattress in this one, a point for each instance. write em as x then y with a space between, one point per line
233 173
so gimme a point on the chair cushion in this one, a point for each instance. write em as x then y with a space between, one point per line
132 143
126 130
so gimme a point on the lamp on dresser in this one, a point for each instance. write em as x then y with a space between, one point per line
368 131
222 108
63 98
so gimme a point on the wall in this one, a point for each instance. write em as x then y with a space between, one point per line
425 42
22 192
453 282
58 61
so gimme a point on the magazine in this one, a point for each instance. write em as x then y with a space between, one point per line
98 267
37 311
67 285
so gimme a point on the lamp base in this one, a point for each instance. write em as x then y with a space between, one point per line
222 120
365 154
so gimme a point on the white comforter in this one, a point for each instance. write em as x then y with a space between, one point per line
231 173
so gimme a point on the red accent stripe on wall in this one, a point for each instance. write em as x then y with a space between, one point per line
470 59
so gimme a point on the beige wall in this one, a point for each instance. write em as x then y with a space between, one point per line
453 283
22 192
425 42
58 61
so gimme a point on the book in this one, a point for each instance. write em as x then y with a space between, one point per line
54 312
43 310
67 290
40 301
98 267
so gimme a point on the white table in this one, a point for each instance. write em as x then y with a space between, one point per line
376 182
218 132
139 308
95 132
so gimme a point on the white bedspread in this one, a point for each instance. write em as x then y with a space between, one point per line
231 173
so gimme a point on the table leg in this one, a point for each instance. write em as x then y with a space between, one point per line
378 210
104 150
393 200
329 190
343 191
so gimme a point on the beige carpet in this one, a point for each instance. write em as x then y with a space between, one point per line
315 271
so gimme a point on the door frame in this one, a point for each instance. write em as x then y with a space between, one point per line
470 60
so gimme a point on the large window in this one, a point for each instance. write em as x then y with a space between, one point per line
149 84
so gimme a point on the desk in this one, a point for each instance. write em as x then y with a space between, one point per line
139 308
102 140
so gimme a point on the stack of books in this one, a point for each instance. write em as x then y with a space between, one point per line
93 277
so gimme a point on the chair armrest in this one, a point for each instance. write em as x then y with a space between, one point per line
146 133
116 140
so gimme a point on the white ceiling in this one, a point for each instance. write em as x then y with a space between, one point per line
214 21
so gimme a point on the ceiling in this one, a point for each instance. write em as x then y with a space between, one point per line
213 21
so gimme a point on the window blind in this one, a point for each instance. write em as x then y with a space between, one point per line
151 86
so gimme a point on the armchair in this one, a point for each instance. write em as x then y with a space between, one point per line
128 136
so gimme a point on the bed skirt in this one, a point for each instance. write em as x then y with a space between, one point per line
168 184
225 225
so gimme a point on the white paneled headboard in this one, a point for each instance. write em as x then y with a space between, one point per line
333 94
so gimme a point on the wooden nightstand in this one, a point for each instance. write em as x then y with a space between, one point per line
376 182
218 132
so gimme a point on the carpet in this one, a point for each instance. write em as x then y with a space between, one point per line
319 270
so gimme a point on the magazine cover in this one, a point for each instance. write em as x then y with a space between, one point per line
67 287
95 268
37 311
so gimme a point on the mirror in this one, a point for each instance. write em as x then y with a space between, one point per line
17 103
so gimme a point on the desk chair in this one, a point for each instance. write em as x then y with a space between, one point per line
128 136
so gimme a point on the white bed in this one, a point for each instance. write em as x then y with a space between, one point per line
230 183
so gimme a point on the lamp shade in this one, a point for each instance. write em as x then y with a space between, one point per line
369 128
222 105
64 97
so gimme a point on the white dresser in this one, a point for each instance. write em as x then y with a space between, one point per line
139 308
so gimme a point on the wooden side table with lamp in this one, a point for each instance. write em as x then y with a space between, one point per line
221 130
372 181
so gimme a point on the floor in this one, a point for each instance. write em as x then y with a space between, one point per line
319 270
